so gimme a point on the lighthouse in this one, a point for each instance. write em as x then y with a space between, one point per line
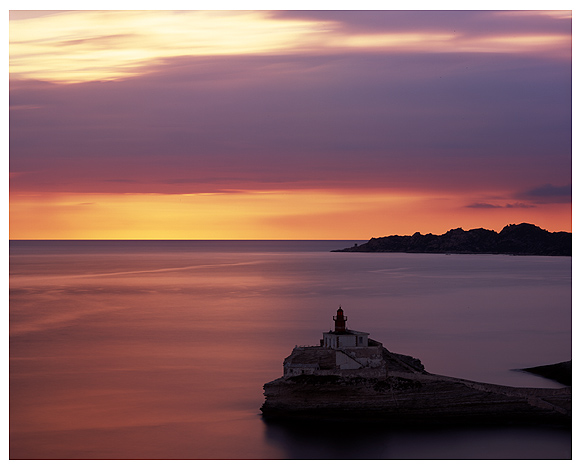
340 352
340 321
341 337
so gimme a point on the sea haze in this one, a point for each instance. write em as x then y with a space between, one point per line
159 349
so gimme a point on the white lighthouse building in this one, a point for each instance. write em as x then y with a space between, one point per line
340 352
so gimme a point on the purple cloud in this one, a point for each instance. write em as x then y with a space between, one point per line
409 121
549 193
467 23
486 205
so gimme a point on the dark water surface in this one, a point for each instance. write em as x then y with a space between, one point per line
159 350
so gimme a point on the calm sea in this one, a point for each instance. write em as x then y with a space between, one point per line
160 349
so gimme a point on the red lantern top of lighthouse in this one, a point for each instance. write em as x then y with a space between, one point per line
340 321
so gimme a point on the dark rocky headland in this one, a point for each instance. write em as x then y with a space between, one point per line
407 395
520 239
560 372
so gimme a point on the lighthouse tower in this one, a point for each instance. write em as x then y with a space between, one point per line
340 321
341 337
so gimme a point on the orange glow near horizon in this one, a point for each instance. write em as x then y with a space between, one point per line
259 215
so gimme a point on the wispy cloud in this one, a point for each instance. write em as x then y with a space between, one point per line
540 195
486 205
74 46
548 194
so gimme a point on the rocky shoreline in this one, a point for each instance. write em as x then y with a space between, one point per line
413 397
560 372
521 239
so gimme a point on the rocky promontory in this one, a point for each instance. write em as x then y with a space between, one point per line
560 372
520 239
408 395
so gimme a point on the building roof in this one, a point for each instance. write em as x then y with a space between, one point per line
347 332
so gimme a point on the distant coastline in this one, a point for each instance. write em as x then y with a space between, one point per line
520 239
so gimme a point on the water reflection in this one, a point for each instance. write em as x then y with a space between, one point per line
117 353
333 440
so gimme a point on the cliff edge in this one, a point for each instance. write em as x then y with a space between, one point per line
351 377
408 395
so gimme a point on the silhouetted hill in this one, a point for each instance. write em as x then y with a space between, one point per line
520 239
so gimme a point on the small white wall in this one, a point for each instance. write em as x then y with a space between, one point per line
331 340
345 362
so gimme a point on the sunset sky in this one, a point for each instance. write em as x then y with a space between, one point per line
287 124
